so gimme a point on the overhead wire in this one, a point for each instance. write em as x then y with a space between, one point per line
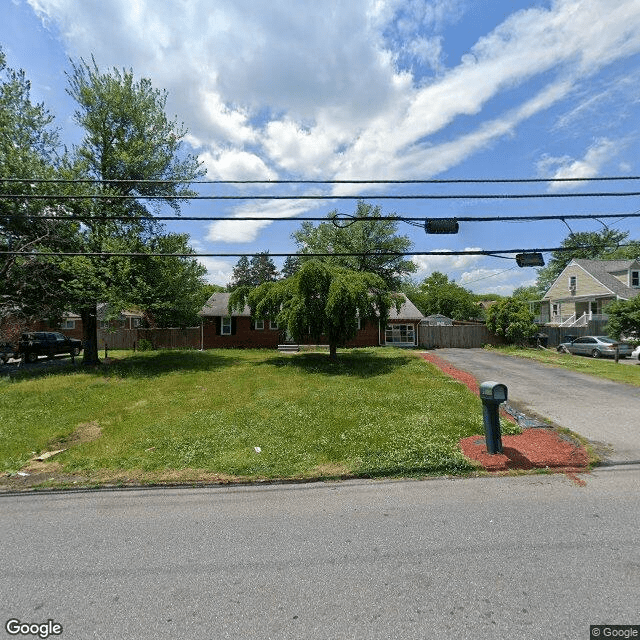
496 253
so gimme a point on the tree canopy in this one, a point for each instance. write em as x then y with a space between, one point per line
320 301
368 234
132 150
436 294
29 153
251 273
624 318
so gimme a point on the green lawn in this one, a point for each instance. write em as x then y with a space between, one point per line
189 415
602 367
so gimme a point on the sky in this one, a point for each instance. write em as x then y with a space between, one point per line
372 90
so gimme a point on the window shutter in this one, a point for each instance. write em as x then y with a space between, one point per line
233 326
218 325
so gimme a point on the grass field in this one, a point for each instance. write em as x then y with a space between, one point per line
227 415
603 367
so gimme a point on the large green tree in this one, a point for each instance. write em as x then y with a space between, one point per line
170 290
320 301
591 245
368 235
624 318
133 152
29 157
437 294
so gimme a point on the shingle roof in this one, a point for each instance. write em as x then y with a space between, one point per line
217 305
602 270
408 311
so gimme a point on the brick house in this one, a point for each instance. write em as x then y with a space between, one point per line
220 330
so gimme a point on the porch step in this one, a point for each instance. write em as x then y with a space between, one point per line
288 348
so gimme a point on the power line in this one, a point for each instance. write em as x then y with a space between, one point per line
417 196
472 252
415 181
343 217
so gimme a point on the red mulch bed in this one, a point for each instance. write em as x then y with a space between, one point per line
534 448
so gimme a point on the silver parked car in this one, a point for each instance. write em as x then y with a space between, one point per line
596 347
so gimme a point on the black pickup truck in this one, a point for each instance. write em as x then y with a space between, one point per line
7 351
47 343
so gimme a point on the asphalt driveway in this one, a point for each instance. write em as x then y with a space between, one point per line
605 412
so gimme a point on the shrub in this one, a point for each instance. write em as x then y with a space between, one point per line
511 319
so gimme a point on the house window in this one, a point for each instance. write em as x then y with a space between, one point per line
555 309
226 326
68 324
273 324
635 278
573 282
259 324
400 334
135 322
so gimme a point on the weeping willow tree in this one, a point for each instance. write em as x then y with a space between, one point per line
320 301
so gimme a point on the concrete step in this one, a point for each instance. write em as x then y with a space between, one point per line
288 348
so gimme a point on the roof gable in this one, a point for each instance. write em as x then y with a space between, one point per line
602 271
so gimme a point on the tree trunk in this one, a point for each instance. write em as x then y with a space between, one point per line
333 351
89 317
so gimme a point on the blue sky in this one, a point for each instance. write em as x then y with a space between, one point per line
371 90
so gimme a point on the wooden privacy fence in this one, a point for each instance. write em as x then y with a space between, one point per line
476 336
188 338
456 336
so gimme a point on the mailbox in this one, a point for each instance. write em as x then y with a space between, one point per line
493 391
492 394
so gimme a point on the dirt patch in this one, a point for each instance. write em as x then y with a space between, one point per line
536 448
86 432
332 470
42 472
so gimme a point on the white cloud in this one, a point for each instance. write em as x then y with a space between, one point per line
318 89
218 271
597 155
234 164
444 263
247 231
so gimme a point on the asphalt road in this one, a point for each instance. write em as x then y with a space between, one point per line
522 557
605 412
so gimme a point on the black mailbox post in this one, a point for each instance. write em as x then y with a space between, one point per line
492 395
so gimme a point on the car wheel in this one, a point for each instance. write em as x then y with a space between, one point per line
563 350
75 351
595 353
4 359
32 357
